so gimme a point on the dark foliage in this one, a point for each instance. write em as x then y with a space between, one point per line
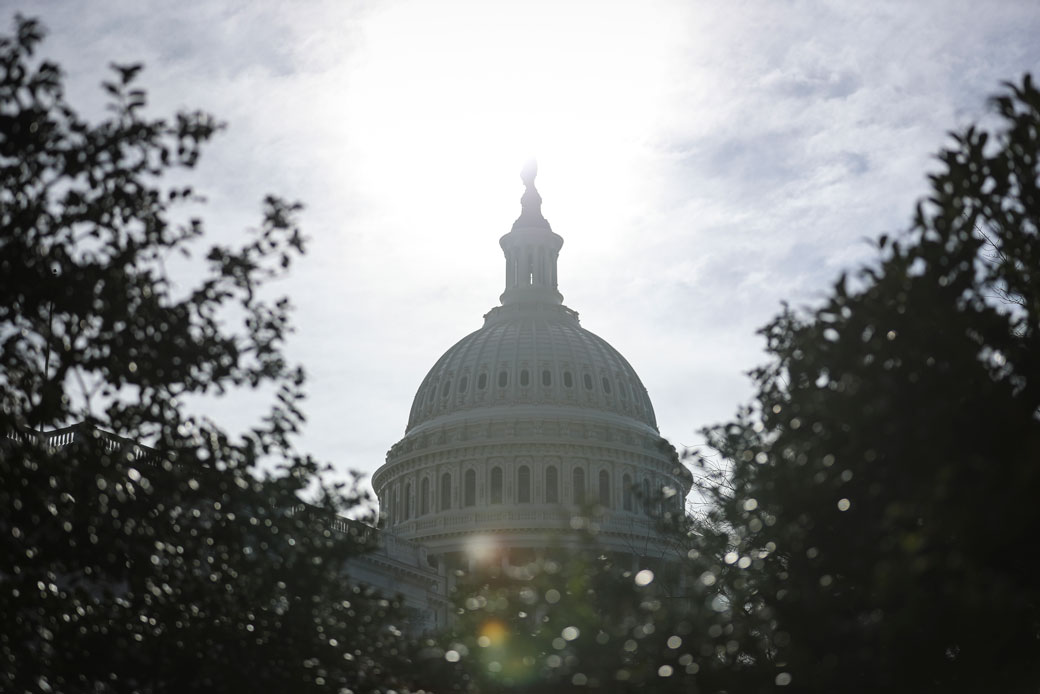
190 564
887 471
572 618
576 616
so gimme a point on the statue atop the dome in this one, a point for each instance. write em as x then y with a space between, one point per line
528 173
531 202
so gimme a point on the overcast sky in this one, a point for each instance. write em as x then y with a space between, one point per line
702 161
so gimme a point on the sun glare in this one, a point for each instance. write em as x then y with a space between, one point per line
481 549
466 92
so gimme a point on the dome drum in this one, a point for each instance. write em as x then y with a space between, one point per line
441 503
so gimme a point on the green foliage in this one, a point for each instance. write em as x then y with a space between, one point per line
190 564
887 471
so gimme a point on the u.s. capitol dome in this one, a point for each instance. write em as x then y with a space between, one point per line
530 427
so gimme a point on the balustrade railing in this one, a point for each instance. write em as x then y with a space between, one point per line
59 438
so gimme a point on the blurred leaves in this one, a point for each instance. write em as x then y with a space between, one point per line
575 615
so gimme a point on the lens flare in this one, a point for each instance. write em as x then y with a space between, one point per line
495 633
481 549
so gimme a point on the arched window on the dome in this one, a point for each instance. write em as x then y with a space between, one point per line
470 488
646 497
579 485
588 381
604 488
496 485
525 377
523 485
407 500
396 505
445 491
552 485
606 385
626 492
424 496
568 380
546 377
503 378
482 381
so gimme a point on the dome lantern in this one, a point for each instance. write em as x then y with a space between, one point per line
531 249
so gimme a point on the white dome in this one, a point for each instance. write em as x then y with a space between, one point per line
527 423
531 355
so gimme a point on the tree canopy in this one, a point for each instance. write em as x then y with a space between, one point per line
888 466
146 548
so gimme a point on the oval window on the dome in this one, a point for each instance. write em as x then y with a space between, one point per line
481 381
525 378
445 388
606 385
568 380
463 383
588 382
503 378
546 377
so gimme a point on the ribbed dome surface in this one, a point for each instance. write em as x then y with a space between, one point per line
531 355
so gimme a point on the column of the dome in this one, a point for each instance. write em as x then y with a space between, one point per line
531 249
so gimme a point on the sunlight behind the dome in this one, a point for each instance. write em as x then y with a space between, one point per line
467 94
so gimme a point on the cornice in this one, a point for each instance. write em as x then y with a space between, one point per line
470 438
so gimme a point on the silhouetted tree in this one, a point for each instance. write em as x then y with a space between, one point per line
887 471
189 564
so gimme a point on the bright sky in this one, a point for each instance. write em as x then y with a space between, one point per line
703 162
